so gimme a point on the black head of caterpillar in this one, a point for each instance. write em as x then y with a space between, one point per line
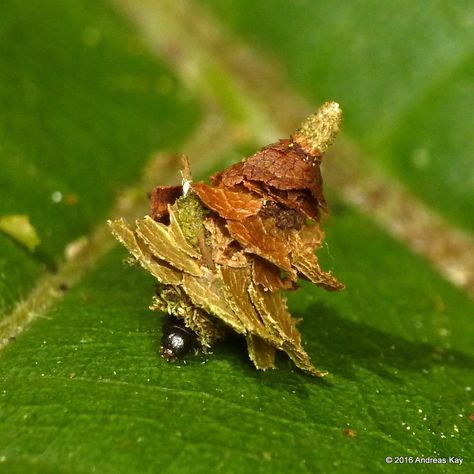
177 340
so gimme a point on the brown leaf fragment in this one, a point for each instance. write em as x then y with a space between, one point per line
229 177
160 198
305 261
155 235
159 269
308 266
301 200
225 250
257 187
280 165
261 353
284 166
284 218
233 205
264 238
269 276
310 236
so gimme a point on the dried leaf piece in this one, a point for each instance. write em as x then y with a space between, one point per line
309 268
232 205
162 246
208 293
225 250
273 311
230 177
281 165
265 317
160 198
264 238
159 269
236 281
261 353
305 260
269 276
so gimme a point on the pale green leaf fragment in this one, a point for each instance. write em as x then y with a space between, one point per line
274 313
207 292
190 214
19 228
176 232
275 329
162 271
235 285
163 246
261 353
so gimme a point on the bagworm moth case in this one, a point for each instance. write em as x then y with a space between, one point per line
224 253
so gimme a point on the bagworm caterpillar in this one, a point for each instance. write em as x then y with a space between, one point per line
224 252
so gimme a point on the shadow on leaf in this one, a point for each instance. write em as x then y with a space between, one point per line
340 344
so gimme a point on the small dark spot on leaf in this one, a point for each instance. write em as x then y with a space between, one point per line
349 432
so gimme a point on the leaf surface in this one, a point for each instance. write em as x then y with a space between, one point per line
85 106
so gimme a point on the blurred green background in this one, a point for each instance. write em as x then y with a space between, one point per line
92 93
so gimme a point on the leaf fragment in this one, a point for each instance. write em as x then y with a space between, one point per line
161 270
208 293
229 204
261 353
156 236
190 214
225 250
236 281
273 311
269 276
160 198
264 238
19 228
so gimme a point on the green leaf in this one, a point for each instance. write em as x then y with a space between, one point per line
401 72
85 107
79 119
